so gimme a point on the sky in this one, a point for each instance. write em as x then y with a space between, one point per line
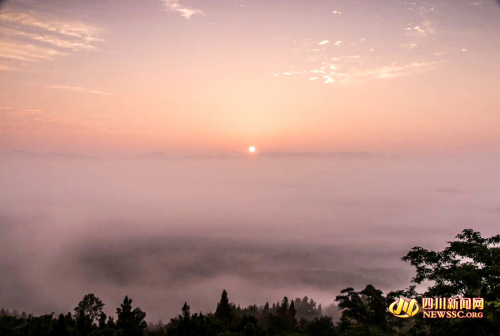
202 77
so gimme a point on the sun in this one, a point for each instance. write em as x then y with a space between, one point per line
251 149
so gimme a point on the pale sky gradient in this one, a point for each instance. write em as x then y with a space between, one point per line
125 77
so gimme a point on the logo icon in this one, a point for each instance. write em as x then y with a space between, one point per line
404 308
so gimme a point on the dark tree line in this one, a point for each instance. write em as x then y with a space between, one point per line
87 319
468 267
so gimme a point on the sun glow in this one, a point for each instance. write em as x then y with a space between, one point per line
251 149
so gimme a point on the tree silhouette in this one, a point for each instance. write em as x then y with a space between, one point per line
224 309
320 326
250 330
291 311
130 322
468 267
264 314
283 308
90 306
186 311
367 307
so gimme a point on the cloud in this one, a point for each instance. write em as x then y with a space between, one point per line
350 69
337 12
324 42
21 112
19 117
429 26
28 52
176 7
35 37
75 89
419 34
397 70
72 29
328 79
51 39
449 190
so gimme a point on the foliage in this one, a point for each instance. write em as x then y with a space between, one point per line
469 267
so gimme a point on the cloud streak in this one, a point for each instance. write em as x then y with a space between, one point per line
66 28
176 7
75 89
28 52
35 37
51 39
344 72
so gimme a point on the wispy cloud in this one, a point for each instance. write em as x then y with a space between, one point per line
351 69
50 39
419 34
28 52
75 89
34 37
13 111
19 116
328 79
176 7
397 70
72 29
324 42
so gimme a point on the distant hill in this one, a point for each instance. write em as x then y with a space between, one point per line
59 156
151 156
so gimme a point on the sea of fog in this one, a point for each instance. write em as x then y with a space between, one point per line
169 230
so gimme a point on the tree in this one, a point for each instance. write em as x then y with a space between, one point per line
468 267
320 326
292 312
367 307
130 322
249 330
61 327
224 309
265 313
306 309
283 308
83 323
90 307
351 304
102 321
186 311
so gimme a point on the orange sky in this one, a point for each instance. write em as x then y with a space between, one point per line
124 77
